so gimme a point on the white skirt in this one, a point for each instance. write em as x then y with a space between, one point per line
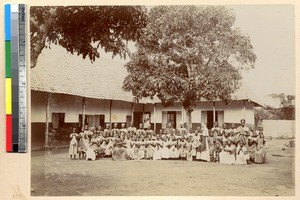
90 154
227 158
157 154
165 153
241 159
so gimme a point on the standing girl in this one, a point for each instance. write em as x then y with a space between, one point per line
82 144
73 144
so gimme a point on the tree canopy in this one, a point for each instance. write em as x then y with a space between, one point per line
189 54
83 29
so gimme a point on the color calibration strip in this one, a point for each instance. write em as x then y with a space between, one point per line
15 81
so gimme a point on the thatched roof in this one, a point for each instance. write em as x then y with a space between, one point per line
60 72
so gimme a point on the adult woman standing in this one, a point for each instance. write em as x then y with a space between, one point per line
260 153
204 155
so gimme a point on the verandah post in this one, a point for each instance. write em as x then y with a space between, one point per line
47 120
83 112
154 117
110 107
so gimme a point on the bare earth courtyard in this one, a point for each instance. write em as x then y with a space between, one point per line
54 174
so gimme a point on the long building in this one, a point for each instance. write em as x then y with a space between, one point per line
67 91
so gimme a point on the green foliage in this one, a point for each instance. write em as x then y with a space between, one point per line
83 29
189 54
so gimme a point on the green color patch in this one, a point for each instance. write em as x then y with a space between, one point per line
8 59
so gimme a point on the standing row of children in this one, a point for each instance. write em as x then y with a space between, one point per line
229 146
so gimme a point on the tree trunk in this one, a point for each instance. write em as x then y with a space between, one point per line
188 118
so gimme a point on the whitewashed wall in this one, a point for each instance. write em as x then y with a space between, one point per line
96 107
119 111
233 112
38 106
72 107
160 109
278 128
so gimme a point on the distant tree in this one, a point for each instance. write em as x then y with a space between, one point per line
189 54
268 113
286 111
83 29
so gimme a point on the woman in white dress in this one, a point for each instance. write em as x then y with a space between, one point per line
204 155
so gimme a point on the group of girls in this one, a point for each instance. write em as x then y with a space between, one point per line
229 146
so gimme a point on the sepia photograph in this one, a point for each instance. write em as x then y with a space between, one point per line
162 100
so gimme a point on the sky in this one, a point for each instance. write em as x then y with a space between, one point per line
272 32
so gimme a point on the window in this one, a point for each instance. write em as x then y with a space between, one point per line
147 119
169 117
208 117
138 118
58 120
92 120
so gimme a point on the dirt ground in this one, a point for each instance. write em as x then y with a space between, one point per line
54 174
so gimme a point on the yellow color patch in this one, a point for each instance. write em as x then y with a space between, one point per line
8 101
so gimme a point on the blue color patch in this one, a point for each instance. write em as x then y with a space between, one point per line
7 21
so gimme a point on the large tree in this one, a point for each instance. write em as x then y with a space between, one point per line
188 54
83 29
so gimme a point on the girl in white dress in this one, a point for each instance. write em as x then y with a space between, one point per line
73 149
195 146
93 149
135 148
189 149
165 152
171 149
157 148
128 146
82 144
176 150
142 148
227 156
242 155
